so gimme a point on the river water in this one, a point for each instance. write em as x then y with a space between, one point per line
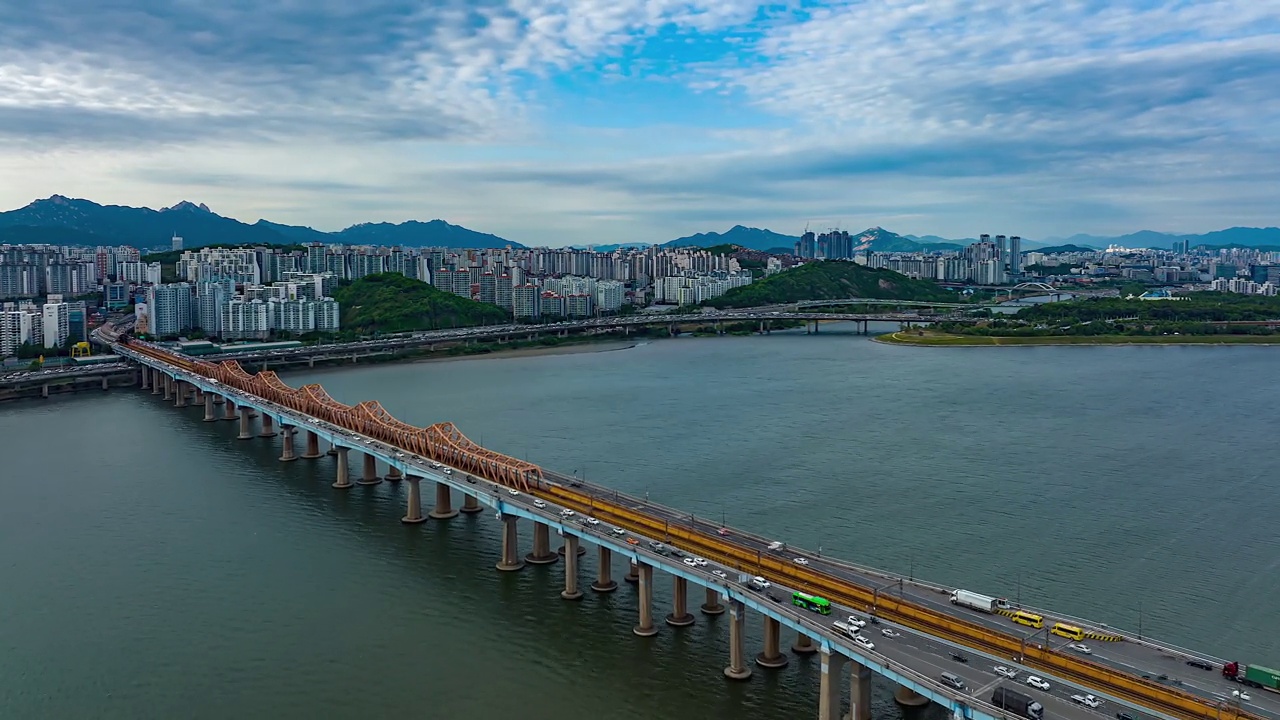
152 566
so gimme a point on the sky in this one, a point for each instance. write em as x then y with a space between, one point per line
602 121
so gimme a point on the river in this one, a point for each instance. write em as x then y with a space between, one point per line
152 566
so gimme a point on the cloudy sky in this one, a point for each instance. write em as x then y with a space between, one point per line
558 122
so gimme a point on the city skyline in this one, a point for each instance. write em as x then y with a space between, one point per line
630 121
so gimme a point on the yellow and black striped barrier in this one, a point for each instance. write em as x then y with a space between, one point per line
1103 637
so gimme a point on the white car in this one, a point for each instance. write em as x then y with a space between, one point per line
368 442
890 633
855 621
1081 648
399 454
539 504
717 573
689 562
435 464
700 562
447 471
618 531
1005 672
513 492
760 583
864 643
802 561
1036 682
1086 700
567 513
592 521
1240 695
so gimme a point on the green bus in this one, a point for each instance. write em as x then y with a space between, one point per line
822 606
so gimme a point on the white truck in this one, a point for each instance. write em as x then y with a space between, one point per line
974 601
1086 700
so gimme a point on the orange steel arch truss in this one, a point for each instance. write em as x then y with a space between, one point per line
442 442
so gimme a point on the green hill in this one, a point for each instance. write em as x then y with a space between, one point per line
390 302
831 280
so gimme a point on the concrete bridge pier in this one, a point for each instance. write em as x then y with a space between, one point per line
645 627
737 669
394 475
712 606
370 474
542 554
180 394
105 385
313 447
604 581
229 410
561 550
413 512
633 574
471 505
444 506
829 687
218 400
804 645
772 657
155 380
859 692
208 408
267 429
571 591
333 449
168 387
510 545
679 616
904 695
197 395
144 383
286 443
246 425
343 480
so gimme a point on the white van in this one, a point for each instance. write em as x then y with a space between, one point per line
775 546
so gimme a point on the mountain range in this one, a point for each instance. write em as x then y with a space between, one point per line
59 220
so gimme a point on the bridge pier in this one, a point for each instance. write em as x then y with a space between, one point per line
604 580
267 429
168 387
542 554
105 384
444 504
633 574
737 669
645 627
333 449
679 616
313 447
413 512
246 425
904 695
571 591
510 545
286 443
144 383
394 475
208 408
712 606
218 400
344 471
829 687
229 410
772 657
804 645
471 505
561 550
859 692
155 380
370 474
180 394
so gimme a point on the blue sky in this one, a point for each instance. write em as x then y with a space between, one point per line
604 121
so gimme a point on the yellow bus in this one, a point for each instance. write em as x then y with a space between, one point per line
1067 631
1022 617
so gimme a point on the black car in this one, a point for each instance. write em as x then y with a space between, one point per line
1202 664
959 657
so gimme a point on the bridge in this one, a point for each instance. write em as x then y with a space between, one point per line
913 631
886 303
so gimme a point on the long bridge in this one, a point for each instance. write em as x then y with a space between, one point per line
914 636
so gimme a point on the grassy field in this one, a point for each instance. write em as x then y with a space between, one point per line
944 339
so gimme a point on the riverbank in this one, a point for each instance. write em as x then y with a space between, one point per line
932 339
568 348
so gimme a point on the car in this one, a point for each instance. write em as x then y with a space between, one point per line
513 492
471 479
399 454
801 561
723 532
632 541
759 583
1088 701
689 562
618 531
1241 695
890 633
718 573
539 504
434 463
1124 716
1202 664
700 562
567 512
1081 648
592 521
1005 672
959 657
1036 682
855 621
864 643
368 442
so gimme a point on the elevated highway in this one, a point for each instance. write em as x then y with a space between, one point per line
927 628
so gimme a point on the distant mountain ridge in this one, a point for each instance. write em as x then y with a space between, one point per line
60 220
